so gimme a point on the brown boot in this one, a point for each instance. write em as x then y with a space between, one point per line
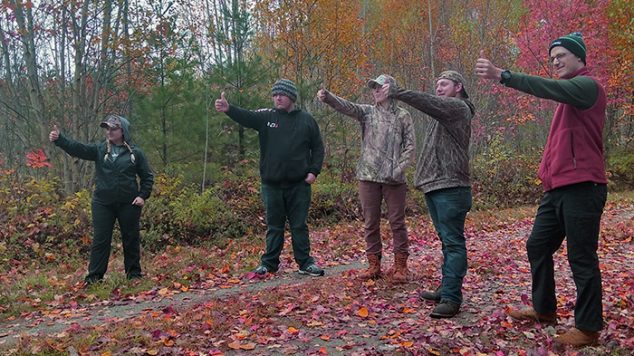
401 273
576 337
374 268
531 314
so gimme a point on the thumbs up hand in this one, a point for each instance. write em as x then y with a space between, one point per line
221 104
54 135
321 93
485 69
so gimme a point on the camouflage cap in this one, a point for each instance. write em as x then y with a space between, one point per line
111 121
380 80
455 77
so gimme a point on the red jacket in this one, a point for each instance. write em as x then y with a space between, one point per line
574 149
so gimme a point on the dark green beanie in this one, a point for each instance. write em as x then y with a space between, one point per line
285 87
572 42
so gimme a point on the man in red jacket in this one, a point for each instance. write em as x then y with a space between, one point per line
573 175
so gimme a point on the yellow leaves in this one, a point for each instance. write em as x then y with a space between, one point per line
293 331
180 287
152 352
363 312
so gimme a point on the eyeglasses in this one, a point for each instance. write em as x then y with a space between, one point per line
112 128
558 57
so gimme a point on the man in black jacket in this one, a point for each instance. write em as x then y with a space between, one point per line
291 156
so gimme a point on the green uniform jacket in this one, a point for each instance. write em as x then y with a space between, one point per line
290 143
115 180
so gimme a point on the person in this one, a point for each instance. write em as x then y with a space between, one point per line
388 142
573 176
291 157
117 195
442 173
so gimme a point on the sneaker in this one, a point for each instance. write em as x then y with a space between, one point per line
428 295
261 270
445 309
312 270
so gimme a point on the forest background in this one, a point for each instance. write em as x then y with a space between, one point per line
163 63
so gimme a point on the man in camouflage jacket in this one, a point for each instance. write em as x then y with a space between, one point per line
442 173
387 147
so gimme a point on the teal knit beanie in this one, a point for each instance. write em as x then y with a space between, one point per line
285 87
572 42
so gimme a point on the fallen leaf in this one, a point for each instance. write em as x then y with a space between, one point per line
363 312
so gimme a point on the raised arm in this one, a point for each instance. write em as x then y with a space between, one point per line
580 91
343 106
443 109
76 149
246 118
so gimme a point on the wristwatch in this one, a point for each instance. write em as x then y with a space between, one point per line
505 76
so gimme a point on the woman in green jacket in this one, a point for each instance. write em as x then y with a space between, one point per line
118 196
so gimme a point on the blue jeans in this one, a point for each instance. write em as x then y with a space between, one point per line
448 209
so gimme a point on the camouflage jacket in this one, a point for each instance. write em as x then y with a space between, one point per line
443 159
388 139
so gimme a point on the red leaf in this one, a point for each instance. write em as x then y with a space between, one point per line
37 159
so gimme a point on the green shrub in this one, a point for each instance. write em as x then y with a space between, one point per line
37 222
502 178
333 200
620 168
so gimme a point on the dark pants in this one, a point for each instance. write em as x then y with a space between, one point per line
448 209
371 195
281 203
103 219
574 212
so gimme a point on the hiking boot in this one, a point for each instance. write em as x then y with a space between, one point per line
374 268
433 296
401 273
445 309
312 270
261 270
531 314
576 337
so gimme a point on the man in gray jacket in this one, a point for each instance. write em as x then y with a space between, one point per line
442 173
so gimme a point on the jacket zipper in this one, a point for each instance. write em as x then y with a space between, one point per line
572 148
